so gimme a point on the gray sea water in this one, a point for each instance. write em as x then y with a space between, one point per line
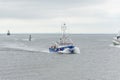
21 59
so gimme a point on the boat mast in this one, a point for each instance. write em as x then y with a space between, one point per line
63 28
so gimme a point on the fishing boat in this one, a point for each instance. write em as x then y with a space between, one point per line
116 40
64 45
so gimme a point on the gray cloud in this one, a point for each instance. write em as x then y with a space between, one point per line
39 9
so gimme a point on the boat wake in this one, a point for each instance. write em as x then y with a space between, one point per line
20 46
45 51
116 46
28 39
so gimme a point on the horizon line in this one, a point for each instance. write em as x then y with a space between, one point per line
56 33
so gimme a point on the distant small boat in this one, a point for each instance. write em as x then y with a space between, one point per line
64 45
116 40
30 37
8 33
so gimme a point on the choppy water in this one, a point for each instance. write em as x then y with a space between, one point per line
24 60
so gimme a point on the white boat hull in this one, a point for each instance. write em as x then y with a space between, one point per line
116 42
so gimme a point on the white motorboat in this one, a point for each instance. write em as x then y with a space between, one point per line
116 40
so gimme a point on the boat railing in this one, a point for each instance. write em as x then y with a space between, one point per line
65 43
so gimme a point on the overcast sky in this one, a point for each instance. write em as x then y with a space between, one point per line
47 16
